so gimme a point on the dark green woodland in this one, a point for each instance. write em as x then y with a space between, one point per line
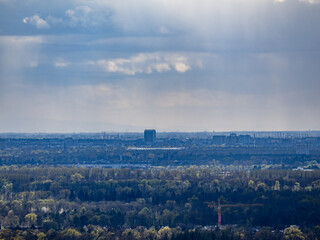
157 203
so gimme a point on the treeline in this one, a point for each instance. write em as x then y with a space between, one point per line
60 197
164 233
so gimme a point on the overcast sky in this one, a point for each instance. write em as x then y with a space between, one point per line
186 65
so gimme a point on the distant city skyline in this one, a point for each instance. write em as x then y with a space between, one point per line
206 65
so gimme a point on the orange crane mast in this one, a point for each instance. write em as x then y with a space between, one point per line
214 205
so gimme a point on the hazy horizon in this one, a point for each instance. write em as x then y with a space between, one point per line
312 132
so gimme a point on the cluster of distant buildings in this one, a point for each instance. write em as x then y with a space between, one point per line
232 139
300 145
300 142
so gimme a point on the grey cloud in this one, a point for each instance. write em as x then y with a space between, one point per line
217 25
54 21
311 1
247 64
224 25
18 52
80 15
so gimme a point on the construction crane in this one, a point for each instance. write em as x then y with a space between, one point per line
214 205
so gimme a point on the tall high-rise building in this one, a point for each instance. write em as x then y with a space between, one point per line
150 136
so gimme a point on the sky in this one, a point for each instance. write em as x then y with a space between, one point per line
172 65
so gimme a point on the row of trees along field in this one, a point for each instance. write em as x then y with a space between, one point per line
91 232
63 198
